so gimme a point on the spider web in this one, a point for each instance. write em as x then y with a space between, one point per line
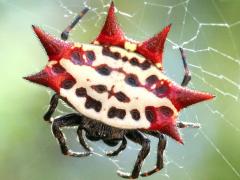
199 49
208 60
208 37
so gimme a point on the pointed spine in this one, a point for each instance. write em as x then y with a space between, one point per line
172 131
54 47
153 47
50 79
111 33
41 77
183 97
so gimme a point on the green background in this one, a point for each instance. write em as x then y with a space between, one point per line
28 150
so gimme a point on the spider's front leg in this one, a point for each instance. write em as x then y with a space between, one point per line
120 148
68 120
137 137
161 147
52 107
187 73
65 33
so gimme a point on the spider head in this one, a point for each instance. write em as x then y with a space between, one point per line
53 75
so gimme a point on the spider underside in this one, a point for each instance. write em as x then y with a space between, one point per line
95 130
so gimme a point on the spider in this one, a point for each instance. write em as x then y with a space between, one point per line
118 91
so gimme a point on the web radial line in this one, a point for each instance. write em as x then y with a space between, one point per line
142 15
216 111
184 20
230 31
99 13
166 6
208 49
220 153
234 97
234 84
222 117
64 7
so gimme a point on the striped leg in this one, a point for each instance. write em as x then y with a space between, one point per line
137 137
65 33
52 107
161 146
69 120
187 73
82 140
120 149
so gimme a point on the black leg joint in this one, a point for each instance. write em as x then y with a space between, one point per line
187 73
52 108
69 120
120 149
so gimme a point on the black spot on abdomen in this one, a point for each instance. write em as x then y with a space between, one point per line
166 111
132 80
145 65
134 61
107 52
103 70
81 92
115 112
93 103
135 114
58 69
125 58
151 80
90 103
68 83
99 88
77 58
122 97
90 55
149 113
112 112
162 88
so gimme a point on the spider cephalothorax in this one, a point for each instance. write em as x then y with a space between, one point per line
117 86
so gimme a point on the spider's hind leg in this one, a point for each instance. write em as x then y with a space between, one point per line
137 137
161 147
187 73
68 120
82 140
119 149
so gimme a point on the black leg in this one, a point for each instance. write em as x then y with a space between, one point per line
51 109
65 33
161 146
187 73
188 125
66 121
137 137
82 140
120 149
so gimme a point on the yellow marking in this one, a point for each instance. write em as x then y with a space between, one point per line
96 42
159 65
130 46
51 63
77 45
